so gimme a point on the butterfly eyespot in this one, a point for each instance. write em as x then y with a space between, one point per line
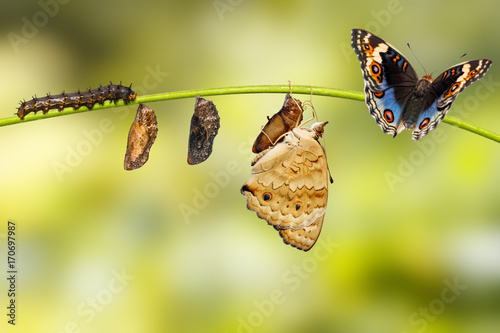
379 94
298 205
424 123
473 73
267 196
454 87
375 69
367 46
388 116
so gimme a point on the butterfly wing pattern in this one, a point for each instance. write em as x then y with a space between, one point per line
395 96
289 186
389 79
446 87
304 238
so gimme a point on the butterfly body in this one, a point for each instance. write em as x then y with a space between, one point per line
397 99
415 104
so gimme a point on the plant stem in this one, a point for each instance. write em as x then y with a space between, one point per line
321 91
472 128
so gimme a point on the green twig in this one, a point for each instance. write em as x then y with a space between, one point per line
321 91
472 128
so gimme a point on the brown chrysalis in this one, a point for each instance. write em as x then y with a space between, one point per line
111 92
141 137
205 125
283 121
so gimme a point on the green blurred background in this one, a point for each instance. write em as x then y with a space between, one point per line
172 247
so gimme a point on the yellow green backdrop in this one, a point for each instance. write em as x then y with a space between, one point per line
411 241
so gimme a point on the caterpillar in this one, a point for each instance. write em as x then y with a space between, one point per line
111 92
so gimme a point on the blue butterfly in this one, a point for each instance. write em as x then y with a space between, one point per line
397 99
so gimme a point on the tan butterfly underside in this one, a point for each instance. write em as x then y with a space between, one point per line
289 186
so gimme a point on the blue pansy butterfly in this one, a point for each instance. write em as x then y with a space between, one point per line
397 99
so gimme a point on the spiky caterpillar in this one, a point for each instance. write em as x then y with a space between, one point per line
88 98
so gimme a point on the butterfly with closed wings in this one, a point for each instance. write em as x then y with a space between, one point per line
289 184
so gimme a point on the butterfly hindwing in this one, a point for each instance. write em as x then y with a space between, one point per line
385 109
304 238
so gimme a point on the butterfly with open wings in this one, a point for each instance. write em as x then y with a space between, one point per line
397 99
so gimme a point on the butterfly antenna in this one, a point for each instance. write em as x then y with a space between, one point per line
454 61
416 58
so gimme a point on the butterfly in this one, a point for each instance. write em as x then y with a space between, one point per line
397 99
288 186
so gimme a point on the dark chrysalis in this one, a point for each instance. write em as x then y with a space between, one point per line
205 125
283 121
141 137
111 92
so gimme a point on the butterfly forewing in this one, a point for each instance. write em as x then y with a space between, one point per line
454 80
383 66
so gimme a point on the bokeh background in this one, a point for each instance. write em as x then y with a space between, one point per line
411 241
